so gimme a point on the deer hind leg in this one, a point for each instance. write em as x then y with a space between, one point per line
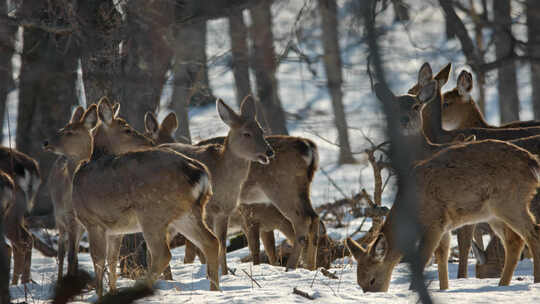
441 254
61 252
464 237
269 243
113 252
252 232
513 245
310 254
98 251
158 245
194 229
220 229
75 233
193 251
429 243
22 255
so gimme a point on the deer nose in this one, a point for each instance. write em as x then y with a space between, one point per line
270 153
45 143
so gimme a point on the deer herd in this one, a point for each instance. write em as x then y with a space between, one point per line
111 180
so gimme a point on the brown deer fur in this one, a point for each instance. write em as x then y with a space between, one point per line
24 172
289 150
155 191
229 164
463 184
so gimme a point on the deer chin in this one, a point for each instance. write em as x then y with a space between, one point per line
263 159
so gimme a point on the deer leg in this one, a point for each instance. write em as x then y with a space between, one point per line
441 254
251 230
160 255
196 230
113 252
310 254
220 229
191 252
269 243
61 252
464 236
98 251
430 241
74 237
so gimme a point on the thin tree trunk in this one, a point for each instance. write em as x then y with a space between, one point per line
191 84
240 55
533 31
479 38
7 40
506 74
333 66
264 65
101 57
47 87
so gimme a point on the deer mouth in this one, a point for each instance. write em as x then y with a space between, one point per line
263 159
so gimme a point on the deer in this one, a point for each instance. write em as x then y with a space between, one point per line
229 165
260 198
69 228
25 173
482 176
122 184
459 110
6 197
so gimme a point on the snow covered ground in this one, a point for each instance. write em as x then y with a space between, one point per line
304 94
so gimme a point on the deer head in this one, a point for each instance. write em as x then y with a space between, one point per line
245 138
114 135
160 133
374 269
75 139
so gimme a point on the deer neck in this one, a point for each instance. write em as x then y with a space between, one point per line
394 255
233 160
432 119
424 148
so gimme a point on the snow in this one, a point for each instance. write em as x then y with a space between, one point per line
405 48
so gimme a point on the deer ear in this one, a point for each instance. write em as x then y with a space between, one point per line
356 250
379 249
443 75
116 109
383 93
425 74
170 123
464 83
151 125
89 118
105 113
428 92
248 109
77 114
226 114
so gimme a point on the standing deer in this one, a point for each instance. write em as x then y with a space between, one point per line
463 184
156 191
229 165
283 183
25 174
69 227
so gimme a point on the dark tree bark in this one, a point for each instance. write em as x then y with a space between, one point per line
101 58
7 39
506 74
533 31
191 85
4 266
240 55
146 57
264 64
334 75
47 85
479 21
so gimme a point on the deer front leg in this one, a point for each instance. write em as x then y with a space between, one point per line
113 252
269 243
98 252
61 252
464 237
441 254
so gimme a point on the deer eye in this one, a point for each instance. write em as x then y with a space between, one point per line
372 282
246 135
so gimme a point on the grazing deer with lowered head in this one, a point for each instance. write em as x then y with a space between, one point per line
24 171
463 184
69 228
291 171
119 187
459 110
229 165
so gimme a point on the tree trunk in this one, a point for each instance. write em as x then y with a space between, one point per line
533 31
240 55
191 85
7 40
332 64
147 54
146 58
47 87
478 21
101 57
264 64
506 74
